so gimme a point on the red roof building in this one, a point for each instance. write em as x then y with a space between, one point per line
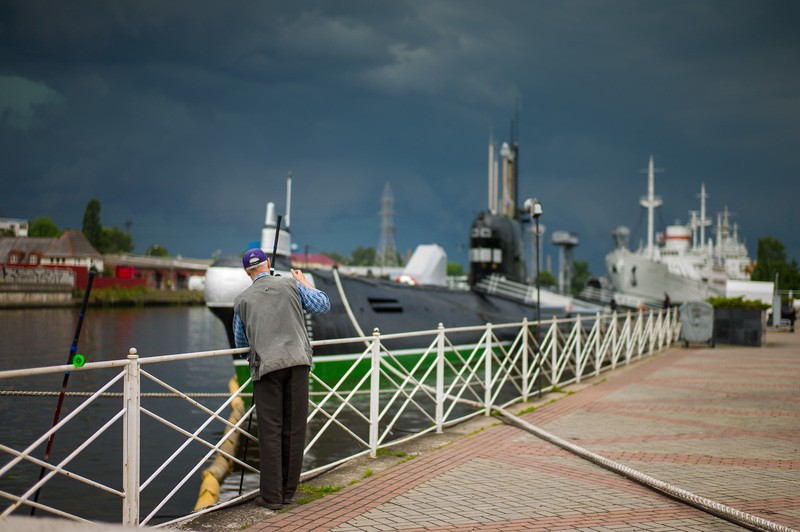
313 260
71 251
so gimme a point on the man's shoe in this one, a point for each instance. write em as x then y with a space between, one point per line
268 505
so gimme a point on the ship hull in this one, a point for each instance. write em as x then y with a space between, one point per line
393 307
637 276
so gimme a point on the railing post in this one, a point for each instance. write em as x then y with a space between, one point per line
553 354
675 327
130 441
525 333
615 337
628 338
487 364
668 326
598 328
440 379
578 354
374 393
639 334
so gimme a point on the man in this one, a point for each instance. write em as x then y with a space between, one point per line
268 318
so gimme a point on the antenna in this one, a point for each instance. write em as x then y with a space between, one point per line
288 199
515 148
387 252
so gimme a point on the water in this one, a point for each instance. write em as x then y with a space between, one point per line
42 337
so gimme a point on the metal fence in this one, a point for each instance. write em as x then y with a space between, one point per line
361 408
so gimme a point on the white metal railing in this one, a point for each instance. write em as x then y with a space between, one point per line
435 386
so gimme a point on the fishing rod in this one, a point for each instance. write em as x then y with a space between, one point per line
275 247
74 359
271 272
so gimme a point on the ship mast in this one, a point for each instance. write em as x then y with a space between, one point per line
650 203
492 175
703 222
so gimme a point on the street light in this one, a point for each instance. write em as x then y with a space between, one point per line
534 208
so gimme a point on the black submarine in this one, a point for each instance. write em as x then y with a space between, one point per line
359 304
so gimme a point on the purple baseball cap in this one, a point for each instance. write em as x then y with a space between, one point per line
253 257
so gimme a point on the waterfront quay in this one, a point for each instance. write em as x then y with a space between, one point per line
722 423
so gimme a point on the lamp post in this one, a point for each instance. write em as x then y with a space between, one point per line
535 209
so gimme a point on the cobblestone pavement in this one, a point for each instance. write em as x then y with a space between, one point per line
722 423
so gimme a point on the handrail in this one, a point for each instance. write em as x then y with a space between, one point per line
440 385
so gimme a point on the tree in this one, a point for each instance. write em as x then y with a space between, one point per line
104 239
335 256
771 260
92 228
155 250
362 256
547 279
43 227
580 274
114 240
454 269
7 232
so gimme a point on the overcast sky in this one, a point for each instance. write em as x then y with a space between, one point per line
185 117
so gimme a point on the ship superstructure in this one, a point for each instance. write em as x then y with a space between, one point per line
680 264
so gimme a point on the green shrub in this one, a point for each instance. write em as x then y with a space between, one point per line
737 302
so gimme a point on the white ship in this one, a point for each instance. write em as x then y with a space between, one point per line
680 264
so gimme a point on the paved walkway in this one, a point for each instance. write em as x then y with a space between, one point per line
722 423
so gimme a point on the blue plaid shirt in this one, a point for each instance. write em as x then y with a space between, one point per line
313 301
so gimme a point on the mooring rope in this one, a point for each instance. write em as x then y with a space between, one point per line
346 304
31 393
707 505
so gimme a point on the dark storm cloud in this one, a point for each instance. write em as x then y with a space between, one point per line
185 117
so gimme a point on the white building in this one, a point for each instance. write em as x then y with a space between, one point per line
18 227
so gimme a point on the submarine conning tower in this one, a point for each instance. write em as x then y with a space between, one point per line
495 247
495 242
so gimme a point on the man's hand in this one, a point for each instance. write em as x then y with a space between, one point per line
300 277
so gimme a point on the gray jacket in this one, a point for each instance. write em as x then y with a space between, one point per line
272 314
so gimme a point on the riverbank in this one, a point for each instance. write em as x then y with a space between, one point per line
22 296
141 297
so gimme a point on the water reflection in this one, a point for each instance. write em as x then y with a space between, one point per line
42 337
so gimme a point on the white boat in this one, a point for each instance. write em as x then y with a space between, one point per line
679 264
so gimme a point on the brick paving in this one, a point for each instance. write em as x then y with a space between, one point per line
722 423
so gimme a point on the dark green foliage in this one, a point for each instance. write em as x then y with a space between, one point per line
736 302
43 227
580 274
772 260
363 256
115 240
454 269
547 279
104 239
92 228
157 251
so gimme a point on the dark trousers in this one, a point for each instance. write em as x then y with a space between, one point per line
281 399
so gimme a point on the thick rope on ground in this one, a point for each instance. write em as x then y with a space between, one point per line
215 474
718 509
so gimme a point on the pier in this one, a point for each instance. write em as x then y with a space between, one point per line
714 431
723 424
